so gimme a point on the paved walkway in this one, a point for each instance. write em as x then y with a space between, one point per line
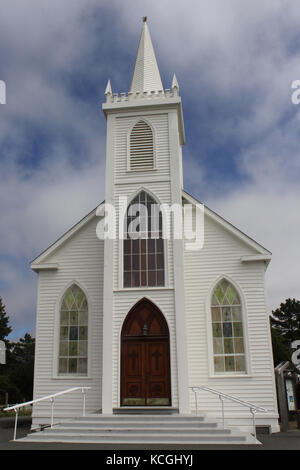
280 441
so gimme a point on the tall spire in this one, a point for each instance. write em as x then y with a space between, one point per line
146 76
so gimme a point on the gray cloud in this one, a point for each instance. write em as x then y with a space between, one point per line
235 62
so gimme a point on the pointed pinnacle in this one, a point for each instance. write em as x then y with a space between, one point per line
175 82
108 88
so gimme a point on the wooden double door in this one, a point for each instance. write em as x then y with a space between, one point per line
145 358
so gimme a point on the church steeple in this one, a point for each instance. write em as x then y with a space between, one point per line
146 76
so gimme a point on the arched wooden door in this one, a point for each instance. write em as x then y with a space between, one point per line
145 357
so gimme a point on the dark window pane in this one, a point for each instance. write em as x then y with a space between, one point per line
83 333
127 263
160 261
227 330
64 333
160 246
136 279
143 278
127 279
151 278
143 262
151 262
151 246
72 366
135 262
127 247
135 246
143 246
160 278
73 333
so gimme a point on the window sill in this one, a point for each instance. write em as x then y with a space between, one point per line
71 377
131 289
231 376
128 171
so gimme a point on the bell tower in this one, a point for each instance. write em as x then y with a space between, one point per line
145 134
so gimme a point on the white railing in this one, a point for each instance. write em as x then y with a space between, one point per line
18 406
222 397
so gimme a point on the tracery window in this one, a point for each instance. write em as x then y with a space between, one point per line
73 338
143 243
227 329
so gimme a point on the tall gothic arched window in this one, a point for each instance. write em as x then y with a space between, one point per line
141 147
143 243
227 329
73 340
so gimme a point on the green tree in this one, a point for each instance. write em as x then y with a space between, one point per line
281 351
5 329
286 320
22 366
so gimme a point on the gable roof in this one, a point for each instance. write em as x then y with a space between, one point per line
37 263
261 250
262 253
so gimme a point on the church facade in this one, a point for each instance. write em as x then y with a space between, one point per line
142 315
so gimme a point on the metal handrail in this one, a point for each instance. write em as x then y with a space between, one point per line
16 407
222 397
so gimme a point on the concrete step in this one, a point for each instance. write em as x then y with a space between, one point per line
140 429
135 438
141 426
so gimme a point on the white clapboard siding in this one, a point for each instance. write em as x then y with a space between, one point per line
221 256
80 260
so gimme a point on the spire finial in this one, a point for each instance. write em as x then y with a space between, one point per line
108 90
146 76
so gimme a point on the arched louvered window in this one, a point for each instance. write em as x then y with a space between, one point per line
143 243
227 329
73 340
141 147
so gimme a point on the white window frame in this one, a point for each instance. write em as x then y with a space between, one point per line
55 367
212 373
121 247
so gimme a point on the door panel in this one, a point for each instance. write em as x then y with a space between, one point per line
145 373
145 357
133 374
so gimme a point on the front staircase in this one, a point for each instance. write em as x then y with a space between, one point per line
136 429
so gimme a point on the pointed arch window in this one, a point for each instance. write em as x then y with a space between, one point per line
141 147
144 264
73 339
227 330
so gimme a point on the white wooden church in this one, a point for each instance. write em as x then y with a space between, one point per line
144 320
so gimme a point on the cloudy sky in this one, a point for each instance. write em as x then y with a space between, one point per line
235 61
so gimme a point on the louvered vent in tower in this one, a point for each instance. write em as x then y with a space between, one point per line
141 147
